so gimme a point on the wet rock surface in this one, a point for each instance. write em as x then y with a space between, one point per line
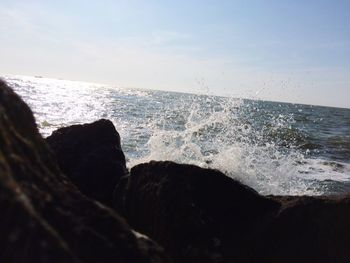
44 217
91 156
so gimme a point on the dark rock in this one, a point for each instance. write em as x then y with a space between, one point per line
198 215
44 217
307 229
91 156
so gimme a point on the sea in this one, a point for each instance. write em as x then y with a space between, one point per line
275 148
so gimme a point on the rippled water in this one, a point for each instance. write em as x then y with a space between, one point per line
276 148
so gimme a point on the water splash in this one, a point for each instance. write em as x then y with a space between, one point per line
261 144
215 135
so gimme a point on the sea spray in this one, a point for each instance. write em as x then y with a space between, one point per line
217 137
276 148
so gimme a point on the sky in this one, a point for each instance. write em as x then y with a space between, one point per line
292 51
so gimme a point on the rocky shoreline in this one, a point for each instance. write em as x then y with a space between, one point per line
70 198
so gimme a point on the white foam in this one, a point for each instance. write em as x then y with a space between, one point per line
236 151
207 131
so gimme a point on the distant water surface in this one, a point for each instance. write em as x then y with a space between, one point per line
276 148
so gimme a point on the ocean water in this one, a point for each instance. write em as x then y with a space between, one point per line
276 148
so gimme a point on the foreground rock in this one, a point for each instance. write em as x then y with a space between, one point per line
44 218
307 229
91 156
198 215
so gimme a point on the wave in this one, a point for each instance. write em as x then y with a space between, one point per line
273 147
273 158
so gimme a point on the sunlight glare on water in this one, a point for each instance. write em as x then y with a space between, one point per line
273 148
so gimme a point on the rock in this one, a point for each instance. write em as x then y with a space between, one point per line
307 229
44 217
196 214
91 156
200 215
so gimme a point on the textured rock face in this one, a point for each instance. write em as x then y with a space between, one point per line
198 215
44 217
91 156
307 229
201 215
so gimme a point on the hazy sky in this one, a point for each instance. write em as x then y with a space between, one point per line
296 50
